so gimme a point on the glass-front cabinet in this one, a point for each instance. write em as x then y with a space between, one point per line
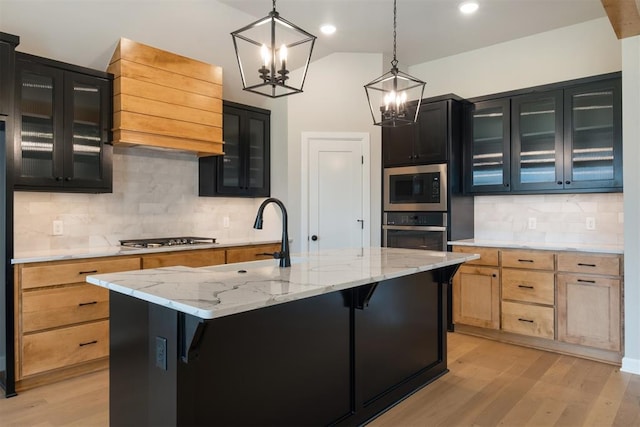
244 169
487 148
536 141
593 135
62 142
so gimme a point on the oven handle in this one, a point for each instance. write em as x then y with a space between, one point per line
414 227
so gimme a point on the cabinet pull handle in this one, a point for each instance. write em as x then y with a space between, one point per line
525 260
581 264
525 286
88 272
525 320
586 281
87 303
82 344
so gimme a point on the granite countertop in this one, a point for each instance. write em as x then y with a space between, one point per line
107 251
569 247
217 291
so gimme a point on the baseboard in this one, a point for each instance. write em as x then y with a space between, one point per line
630 365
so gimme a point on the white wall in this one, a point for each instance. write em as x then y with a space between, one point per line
572 52
631 148
334 100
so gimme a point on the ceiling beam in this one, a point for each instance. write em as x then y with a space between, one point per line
624 16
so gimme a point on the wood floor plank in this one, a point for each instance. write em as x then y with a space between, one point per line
489 384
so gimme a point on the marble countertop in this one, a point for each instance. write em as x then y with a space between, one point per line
107 251
217 291
569 247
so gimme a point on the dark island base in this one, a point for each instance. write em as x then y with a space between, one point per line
340 358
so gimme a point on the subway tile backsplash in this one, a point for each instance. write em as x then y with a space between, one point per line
155 194
559 218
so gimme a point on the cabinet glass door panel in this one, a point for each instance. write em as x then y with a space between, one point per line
231 167
38 130
537 141
256 153
86 131
592 135
489 146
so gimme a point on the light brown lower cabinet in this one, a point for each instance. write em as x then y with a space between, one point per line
476 296
589 311
62 323
569 302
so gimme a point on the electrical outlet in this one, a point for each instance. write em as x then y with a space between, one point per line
532 223
225 222
58 228
591 223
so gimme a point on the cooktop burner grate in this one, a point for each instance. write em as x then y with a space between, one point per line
166 241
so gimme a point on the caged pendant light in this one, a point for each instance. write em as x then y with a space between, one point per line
388 94
267 50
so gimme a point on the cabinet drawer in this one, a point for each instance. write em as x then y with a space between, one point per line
488 256
53 307
538 260
197 258
59 348
528 319
591 264
251 253
528 286
74 272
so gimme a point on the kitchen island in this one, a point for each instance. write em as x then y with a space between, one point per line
337 338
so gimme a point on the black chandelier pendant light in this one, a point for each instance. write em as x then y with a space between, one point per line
268 50
388 94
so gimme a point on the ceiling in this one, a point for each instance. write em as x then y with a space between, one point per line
426 29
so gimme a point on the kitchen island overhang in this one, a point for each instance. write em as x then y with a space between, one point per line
336 339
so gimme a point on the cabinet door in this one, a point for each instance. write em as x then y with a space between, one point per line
593 136
257 158
487 147
537 143
432 141
398 143
40 138
589 311
476 297
230 179
87 154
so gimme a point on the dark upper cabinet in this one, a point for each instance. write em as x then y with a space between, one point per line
562 140
63 133
487 148
8 42
425 142
244 169
537 141
593 136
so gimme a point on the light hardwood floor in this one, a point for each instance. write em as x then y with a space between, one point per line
489 384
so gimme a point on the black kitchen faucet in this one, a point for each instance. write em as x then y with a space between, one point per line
283 255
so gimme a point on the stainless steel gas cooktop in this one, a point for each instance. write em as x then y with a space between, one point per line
166 241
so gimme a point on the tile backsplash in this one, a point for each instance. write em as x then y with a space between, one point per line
559 218
155 194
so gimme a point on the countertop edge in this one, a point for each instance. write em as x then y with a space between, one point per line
564 247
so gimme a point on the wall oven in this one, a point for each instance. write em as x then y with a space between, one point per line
415 188
415 230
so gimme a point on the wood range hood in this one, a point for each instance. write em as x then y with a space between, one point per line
164 100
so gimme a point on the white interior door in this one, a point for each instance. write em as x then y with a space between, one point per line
338 190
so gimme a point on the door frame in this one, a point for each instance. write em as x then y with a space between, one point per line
365 141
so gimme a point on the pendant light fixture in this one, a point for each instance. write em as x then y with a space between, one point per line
388 94
268 50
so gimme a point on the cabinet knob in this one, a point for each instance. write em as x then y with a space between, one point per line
411 157
68 178
559 182
567 182
58 178
506 184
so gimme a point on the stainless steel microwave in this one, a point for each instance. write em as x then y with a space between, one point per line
415 188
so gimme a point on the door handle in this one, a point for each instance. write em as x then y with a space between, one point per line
314 237
361 221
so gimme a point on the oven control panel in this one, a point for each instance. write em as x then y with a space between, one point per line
415 218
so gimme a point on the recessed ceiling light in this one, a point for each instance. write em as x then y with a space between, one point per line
328 29
468 7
